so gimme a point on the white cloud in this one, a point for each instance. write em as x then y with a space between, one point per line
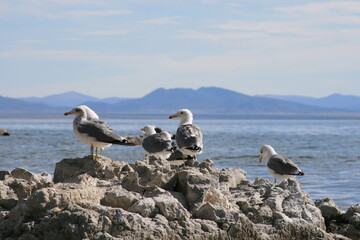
337 7
234 4
14 9
106 32
30 41
164 20
227 36
210 1
85 13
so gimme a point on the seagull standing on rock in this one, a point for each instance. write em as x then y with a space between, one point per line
91 115
188 136
278 166
93 132
157 144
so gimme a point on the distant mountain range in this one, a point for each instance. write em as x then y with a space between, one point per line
205 101
347 102
70 99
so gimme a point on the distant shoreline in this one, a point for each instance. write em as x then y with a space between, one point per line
332 116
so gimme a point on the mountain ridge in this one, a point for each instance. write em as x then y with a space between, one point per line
204 100
336 100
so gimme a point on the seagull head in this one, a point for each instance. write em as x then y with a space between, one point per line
148 130
184 115
78 112
265 152
90 114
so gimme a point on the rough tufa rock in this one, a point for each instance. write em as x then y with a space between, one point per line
155 199
4 132
102 168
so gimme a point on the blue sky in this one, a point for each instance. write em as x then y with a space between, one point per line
121 48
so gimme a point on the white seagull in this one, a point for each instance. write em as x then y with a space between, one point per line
157 144
93 132
278 166
188 136
91 115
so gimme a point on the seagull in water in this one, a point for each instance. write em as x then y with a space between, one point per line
188 136
278 166
93 132
157 144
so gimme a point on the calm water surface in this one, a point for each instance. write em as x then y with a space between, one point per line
326 150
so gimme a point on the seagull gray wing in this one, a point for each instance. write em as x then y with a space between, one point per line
282 165
189 136
101 132
157 143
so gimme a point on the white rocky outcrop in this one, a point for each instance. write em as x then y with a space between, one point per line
154 199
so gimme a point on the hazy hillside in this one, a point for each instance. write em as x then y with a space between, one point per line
339 101
205 100
70 99
19 108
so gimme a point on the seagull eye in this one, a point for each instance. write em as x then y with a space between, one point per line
181 112
260 151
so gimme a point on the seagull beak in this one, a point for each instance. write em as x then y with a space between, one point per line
172 116
68 113
261 158
142 129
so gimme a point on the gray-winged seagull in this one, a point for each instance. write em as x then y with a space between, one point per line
157 144
93 132
278 166
188 136
91 115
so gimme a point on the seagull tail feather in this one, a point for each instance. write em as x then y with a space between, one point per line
124 142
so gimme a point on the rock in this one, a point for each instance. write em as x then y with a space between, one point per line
3 174
146 207
131 182
213 213
23 174
231 177
329 210
170 207
4 132
117 197
8 198
352 215
193 185
153 199
155 172
207 164
215 197
102 168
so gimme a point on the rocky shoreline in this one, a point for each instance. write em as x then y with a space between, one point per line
153 199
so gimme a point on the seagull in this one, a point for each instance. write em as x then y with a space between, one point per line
278 166
91 115
93 132
157 144
188 136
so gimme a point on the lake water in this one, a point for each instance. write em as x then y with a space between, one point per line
326 150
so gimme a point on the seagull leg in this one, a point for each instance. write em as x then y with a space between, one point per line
91 150
274 181
96 153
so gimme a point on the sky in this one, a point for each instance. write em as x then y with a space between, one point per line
118 48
